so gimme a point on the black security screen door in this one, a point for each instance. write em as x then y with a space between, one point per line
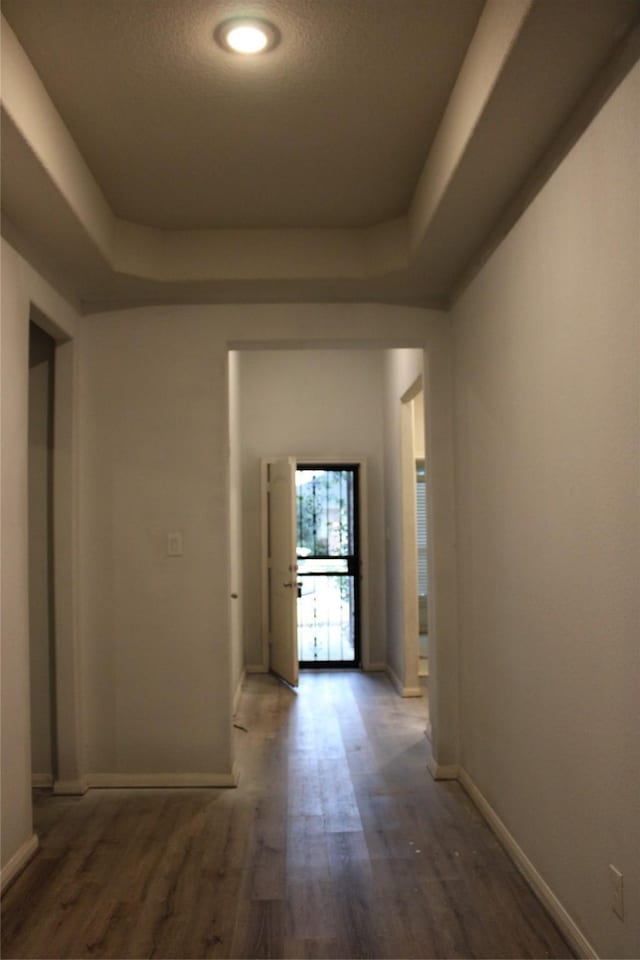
328 565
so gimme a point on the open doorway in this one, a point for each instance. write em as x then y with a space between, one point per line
420 465
42 350
414 509
342 404
423 577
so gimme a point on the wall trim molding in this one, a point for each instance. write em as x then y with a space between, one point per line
400 687
41 781
442 771
70 787
16 864
538 884
133 780
100 781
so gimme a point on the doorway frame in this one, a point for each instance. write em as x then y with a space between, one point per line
433 338
411 625
356 664
68 775
39 776
363 541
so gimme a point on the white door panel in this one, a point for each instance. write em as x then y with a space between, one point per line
282 570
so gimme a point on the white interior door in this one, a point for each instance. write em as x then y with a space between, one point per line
283 592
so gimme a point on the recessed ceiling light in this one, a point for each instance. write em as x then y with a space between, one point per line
247 36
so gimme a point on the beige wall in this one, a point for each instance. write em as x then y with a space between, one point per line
547 454
154 461
16 746
312 403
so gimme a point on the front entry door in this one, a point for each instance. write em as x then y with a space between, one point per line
328 572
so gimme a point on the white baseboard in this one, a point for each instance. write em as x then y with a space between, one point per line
400 687
18 862
41 780
543 891
238 693
443 771
256 668
71 788
132 780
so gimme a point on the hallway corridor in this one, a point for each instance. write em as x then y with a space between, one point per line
337 843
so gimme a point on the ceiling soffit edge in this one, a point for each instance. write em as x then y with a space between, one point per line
625 56
494 40
27 105
217 254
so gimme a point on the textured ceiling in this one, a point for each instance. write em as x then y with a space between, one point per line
331 129
379 153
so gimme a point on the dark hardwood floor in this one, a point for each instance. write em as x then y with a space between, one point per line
337 843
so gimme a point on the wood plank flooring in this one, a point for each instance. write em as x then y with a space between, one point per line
336 844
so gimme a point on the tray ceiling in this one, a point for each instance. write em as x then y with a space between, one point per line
330 129
378 153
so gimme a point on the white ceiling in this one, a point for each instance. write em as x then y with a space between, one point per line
373 155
